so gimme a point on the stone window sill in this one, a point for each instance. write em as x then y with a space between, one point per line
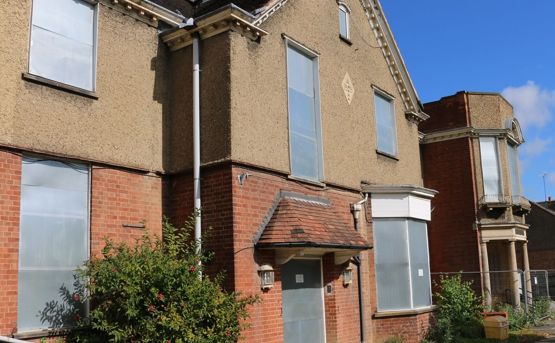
58 85
385 154
385 314
40 333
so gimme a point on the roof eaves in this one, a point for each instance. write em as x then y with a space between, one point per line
394 59
148 9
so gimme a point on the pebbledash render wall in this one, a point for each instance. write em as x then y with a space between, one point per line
244 129
121 200
119 134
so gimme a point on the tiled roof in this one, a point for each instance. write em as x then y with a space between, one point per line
299 222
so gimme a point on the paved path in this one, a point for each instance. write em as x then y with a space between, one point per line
547 329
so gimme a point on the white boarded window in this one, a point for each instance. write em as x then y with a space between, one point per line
402 264
304 114
53 235
385 125
490 169
512 151
62 45
344 21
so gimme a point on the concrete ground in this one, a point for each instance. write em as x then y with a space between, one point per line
546 329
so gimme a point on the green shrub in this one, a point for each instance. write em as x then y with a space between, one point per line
538 310
459 311
394 339
152 292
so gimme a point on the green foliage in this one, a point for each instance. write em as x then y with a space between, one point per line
538 310
459 310
394 339
152 292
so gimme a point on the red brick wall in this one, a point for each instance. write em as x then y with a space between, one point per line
232 216
120 197
217 219
541 259
10 181
412 329
251 203
117 197
452 238
447 113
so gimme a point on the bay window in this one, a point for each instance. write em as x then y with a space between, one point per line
402 264
490 169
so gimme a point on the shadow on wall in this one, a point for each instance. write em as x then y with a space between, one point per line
68 310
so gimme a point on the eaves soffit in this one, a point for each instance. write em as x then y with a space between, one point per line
224 19
145 11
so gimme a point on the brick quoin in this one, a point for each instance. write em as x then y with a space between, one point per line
10 181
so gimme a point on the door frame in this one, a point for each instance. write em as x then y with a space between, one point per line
321 289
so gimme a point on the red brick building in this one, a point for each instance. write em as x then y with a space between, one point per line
469 153
310 187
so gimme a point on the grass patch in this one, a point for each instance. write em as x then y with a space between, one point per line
514 337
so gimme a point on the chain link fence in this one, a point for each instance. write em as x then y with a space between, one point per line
515 287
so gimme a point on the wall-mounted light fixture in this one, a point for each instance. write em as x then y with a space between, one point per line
266 273
347 276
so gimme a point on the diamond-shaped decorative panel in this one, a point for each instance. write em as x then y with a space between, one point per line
348 88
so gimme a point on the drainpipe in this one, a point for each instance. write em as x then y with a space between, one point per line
196 141
355 209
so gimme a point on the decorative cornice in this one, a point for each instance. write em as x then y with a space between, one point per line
394 60
269 12
399 189
225 19
146 11
462 132
416 117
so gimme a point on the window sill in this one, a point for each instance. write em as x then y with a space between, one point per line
40 333
400 313
58 85
385 154
345 40
307 181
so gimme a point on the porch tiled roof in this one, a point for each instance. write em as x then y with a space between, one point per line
298 222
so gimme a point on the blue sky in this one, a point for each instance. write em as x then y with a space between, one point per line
504 46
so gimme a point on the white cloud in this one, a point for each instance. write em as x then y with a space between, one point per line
533 106
535 147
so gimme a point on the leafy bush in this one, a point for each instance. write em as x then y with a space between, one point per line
152 292
394 339
459 311
520 319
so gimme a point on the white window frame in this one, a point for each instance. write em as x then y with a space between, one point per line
407 241
96 7
343 8
292 44
388 97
